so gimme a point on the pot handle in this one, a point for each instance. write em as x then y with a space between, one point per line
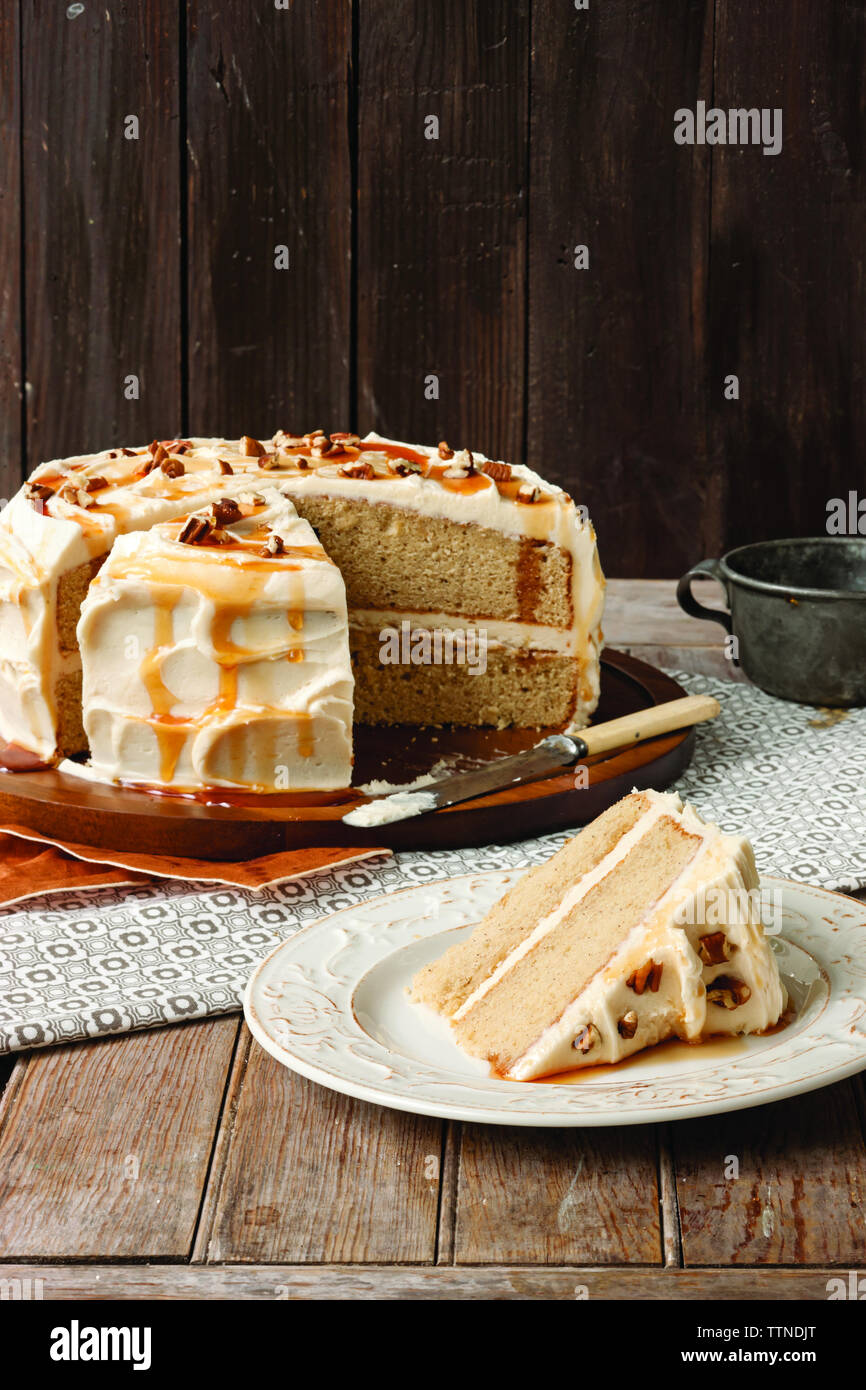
704 569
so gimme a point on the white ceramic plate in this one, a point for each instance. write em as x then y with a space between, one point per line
331 1004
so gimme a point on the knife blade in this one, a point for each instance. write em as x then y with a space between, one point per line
550 755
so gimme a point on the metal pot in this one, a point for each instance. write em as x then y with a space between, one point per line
798 613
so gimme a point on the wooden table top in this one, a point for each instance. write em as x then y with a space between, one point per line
185 1162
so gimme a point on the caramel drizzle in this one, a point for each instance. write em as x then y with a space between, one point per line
172 730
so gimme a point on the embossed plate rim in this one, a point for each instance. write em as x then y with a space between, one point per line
327 961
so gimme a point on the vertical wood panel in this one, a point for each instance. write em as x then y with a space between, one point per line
101 223
558 1196
269 165
11 384
310 1176
441 223
788 285
797 1195
104 1146
616 367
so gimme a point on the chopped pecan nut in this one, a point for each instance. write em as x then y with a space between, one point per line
225 467
173 468
274 545
95 484
445 451
715 948
587 1039
528 492
462 465
404 467
39 492
627 1025
128 453
649 976
728 992
321 447
499 472
358 469
225 511
346 441
77 497
157 452
196 529
284 440
251 447
268 461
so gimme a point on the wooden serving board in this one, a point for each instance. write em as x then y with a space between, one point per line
222 826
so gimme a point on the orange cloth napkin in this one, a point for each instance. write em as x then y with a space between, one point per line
31 864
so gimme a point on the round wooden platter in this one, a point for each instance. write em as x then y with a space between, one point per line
225 826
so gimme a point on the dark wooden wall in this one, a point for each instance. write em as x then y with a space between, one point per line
412 258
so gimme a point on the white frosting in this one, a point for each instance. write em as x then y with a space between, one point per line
217 666
400 806
722 869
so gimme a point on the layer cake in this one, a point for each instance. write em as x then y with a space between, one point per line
645 926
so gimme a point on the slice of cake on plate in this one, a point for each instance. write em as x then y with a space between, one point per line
216 653
646 926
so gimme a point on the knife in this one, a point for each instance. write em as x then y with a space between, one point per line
552 753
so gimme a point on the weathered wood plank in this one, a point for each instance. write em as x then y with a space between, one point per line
101 224
783 1184
550 1196
11 347
312 1176
441 221
105 1146
646 611
273 1282
616 351
788 268
269 166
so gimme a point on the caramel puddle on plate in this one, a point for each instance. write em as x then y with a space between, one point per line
716 1048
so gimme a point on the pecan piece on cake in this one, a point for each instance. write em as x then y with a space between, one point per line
587 1039
321 447
225 511
251 447
39 492
173 468
715 948
225 468
406 467
499 472
77 497
95 484
358 469
197 529
461 466
528 492
445 450
267 461
649 976
627 1025
346 441
274 545
728 992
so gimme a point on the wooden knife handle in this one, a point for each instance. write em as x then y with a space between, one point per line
648 723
